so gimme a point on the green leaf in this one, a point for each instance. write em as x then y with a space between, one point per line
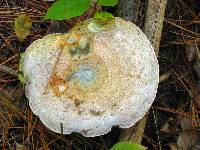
128 146
21 77
107 2
66 9
22 26
103 16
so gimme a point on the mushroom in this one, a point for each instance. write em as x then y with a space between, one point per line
99 75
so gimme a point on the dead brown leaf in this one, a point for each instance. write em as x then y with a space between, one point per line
21 147
185 123
173 146
197 100
188 139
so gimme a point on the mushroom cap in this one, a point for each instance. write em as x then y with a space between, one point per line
97 76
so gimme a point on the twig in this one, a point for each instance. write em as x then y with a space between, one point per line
134 133
9 71
154 22
163 77
153 29
132 10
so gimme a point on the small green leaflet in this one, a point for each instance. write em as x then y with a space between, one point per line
107 2
103 16
22 26
66 9
21 77
128 146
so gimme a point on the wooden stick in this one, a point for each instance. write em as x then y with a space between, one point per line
9 71
153 29
154 22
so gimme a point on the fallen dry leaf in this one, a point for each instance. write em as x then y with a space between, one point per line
22 26
169 126
188 139
185 123
197 100
173 146
21 147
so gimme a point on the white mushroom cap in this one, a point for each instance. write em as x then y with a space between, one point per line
96 77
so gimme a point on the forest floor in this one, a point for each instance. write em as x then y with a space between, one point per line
174 118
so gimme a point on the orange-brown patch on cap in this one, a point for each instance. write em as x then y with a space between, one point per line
58 85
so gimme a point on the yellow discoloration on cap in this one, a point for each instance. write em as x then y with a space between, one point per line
73 89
